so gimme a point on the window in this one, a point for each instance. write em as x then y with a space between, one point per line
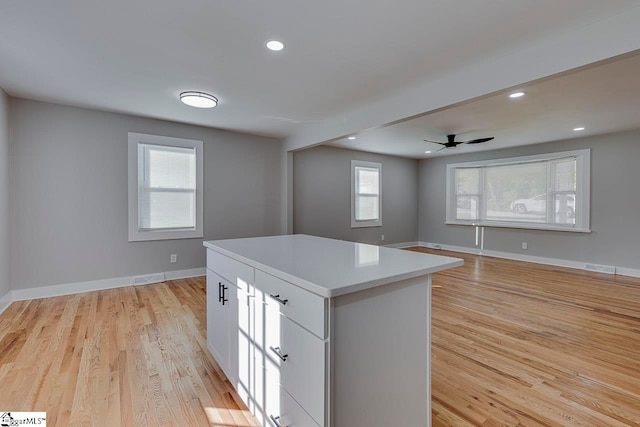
366 198
165 188
549 191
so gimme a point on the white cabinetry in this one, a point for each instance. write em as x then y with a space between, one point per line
290 359
314 345
229 326
218 324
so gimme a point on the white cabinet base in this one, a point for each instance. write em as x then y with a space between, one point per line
330 341
380 356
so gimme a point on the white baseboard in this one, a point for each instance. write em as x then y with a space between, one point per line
402 245
186 274
6 301
631 272
623 271
94 285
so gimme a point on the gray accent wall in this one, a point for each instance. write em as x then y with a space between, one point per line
4 195
69 194
615 205
322 196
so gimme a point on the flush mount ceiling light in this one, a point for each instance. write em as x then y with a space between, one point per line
198 99
427 152
516 95
578 129
351 138
275 45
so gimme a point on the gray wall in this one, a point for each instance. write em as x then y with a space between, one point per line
4 194
615 205
69 194
322 196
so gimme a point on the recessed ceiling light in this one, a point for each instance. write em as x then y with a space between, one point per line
427 152
198 99
516 95
275 45
578 129
352 138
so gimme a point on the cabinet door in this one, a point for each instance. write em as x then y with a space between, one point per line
217 321
240 343
229 332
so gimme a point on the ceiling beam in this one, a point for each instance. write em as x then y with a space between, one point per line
577 47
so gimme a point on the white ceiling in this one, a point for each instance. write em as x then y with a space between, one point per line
136 57
603 98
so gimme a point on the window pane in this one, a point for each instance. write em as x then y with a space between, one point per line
167 209
167 188
565 175
468 181
367 181
170 167
516 192
565 208
366 208
467 207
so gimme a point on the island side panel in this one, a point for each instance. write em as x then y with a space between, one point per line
381 356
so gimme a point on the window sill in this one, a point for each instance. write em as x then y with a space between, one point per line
145 236
520 226
366 224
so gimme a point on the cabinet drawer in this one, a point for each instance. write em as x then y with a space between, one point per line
297 304
280 406
296 358
234 271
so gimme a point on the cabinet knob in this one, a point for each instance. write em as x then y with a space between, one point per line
276 350
277 298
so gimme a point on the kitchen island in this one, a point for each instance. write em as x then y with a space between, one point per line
320 332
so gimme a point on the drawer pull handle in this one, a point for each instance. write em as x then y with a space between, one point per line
277 298
276 420
224 288
221 289
276 350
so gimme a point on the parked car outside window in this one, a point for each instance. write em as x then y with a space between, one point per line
538 204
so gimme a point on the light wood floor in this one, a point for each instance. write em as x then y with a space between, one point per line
514 344
133 356
518 344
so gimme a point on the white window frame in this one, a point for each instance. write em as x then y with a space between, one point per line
365 223
583 192
135 233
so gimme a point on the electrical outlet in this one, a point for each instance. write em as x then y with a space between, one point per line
174 258
382 237
524 245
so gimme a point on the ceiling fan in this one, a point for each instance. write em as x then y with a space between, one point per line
452 143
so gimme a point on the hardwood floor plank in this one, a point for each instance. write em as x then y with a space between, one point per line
527 344
133 356
514 344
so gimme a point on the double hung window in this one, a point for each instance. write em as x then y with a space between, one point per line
165 188
366 197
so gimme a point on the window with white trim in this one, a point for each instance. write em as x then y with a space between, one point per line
366 197
165 188
548 191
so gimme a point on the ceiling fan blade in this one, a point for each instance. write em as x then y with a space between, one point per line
435 142
478 141
443 148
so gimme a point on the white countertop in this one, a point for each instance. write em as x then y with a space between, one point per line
329 267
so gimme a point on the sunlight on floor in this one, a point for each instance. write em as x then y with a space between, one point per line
227 417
